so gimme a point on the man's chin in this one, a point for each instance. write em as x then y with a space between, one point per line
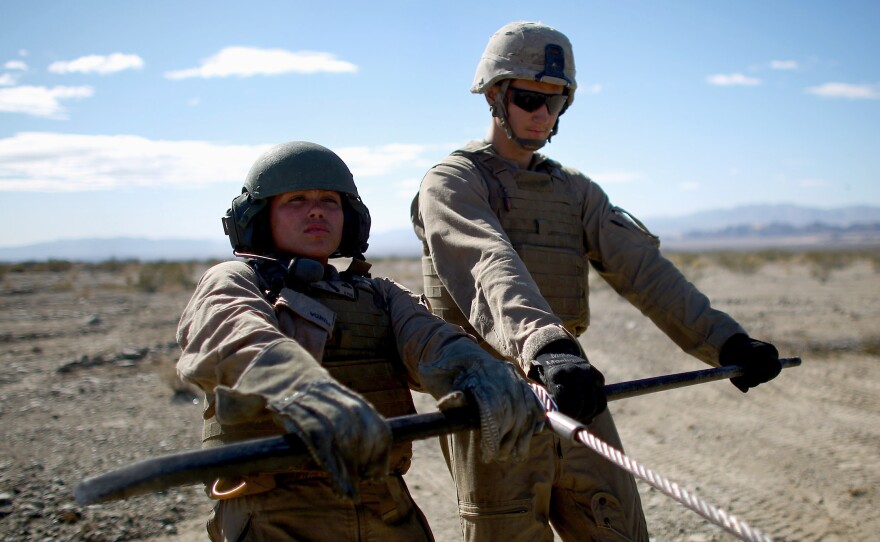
531 144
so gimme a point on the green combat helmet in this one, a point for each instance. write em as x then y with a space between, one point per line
530 51
297 165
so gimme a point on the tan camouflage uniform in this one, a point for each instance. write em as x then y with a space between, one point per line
510 247
229 323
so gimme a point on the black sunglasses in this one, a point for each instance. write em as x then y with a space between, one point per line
529 100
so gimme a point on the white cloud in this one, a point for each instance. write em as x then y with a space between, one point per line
383 159
40 101
53 162
8 79
194 102
250 61
813 183
16 65
733 79
846 90
784 64
690 186
404 188
595 88
100 64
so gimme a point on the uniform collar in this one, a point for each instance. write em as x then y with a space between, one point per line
485 146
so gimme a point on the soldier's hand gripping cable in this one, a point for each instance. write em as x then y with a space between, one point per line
576 386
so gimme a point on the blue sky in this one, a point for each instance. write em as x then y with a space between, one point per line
142 118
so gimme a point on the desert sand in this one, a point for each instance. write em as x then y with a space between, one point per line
88 387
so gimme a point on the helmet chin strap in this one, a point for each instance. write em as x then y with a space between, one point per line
499 110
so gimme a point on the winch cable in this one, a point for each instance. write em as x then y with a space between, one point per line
577 432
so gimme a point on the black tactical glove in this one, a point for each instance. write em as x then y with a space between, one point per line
759 359
577 387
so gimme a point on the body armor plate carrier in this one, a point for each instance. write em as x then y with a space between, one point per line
541 216
361 353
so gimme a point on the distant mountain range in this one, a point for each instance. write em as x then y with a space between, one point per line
747 227
761 215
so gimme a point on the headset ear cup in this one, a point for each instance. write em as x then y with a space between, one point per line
355 229
230 229
244 223
364 229
230 224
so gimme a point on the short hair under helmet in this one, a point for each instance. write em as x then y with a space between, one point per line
296 165
527 50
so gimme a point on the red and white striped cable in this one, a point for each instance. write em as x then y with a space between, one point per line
578 432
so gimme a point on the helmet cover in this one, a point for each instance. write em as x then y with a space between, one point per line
530 51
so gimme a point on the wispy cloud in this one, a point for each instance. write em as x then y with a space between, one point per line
100 64
689 186
408 187
40 101
846 90
8 79
384 159
813 183
54 162
733 79
16 65
784 64
251 61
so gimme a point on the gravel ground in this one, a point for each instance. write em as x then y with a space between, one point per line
88 387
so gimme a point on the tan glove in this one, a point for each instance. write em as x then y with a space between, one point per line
343 432
510 413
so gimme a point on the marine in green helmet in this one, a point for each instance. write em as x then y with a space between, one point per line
283 342
508 236
297 165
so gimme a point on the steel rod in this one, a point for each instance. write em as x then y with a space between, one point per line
273 454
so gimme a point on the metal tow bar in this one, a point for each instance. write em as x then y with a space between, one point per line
279 453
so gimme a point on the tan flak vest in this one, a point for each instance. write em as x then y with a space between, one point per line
361 353
541 215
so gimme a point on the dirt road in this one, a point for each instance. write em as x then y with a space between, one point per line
86 389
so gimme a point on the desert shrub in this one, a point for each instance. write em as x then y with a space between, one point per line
688 260
774 255
164 276
60 286
822 263
58 266
747 263
51 266
871 346
115 266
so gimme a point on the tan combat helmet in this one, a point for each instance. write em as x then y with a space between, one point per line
530 51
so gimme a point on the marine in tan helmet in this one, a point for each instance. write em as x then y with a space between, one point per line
283 342
539 60
508 236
